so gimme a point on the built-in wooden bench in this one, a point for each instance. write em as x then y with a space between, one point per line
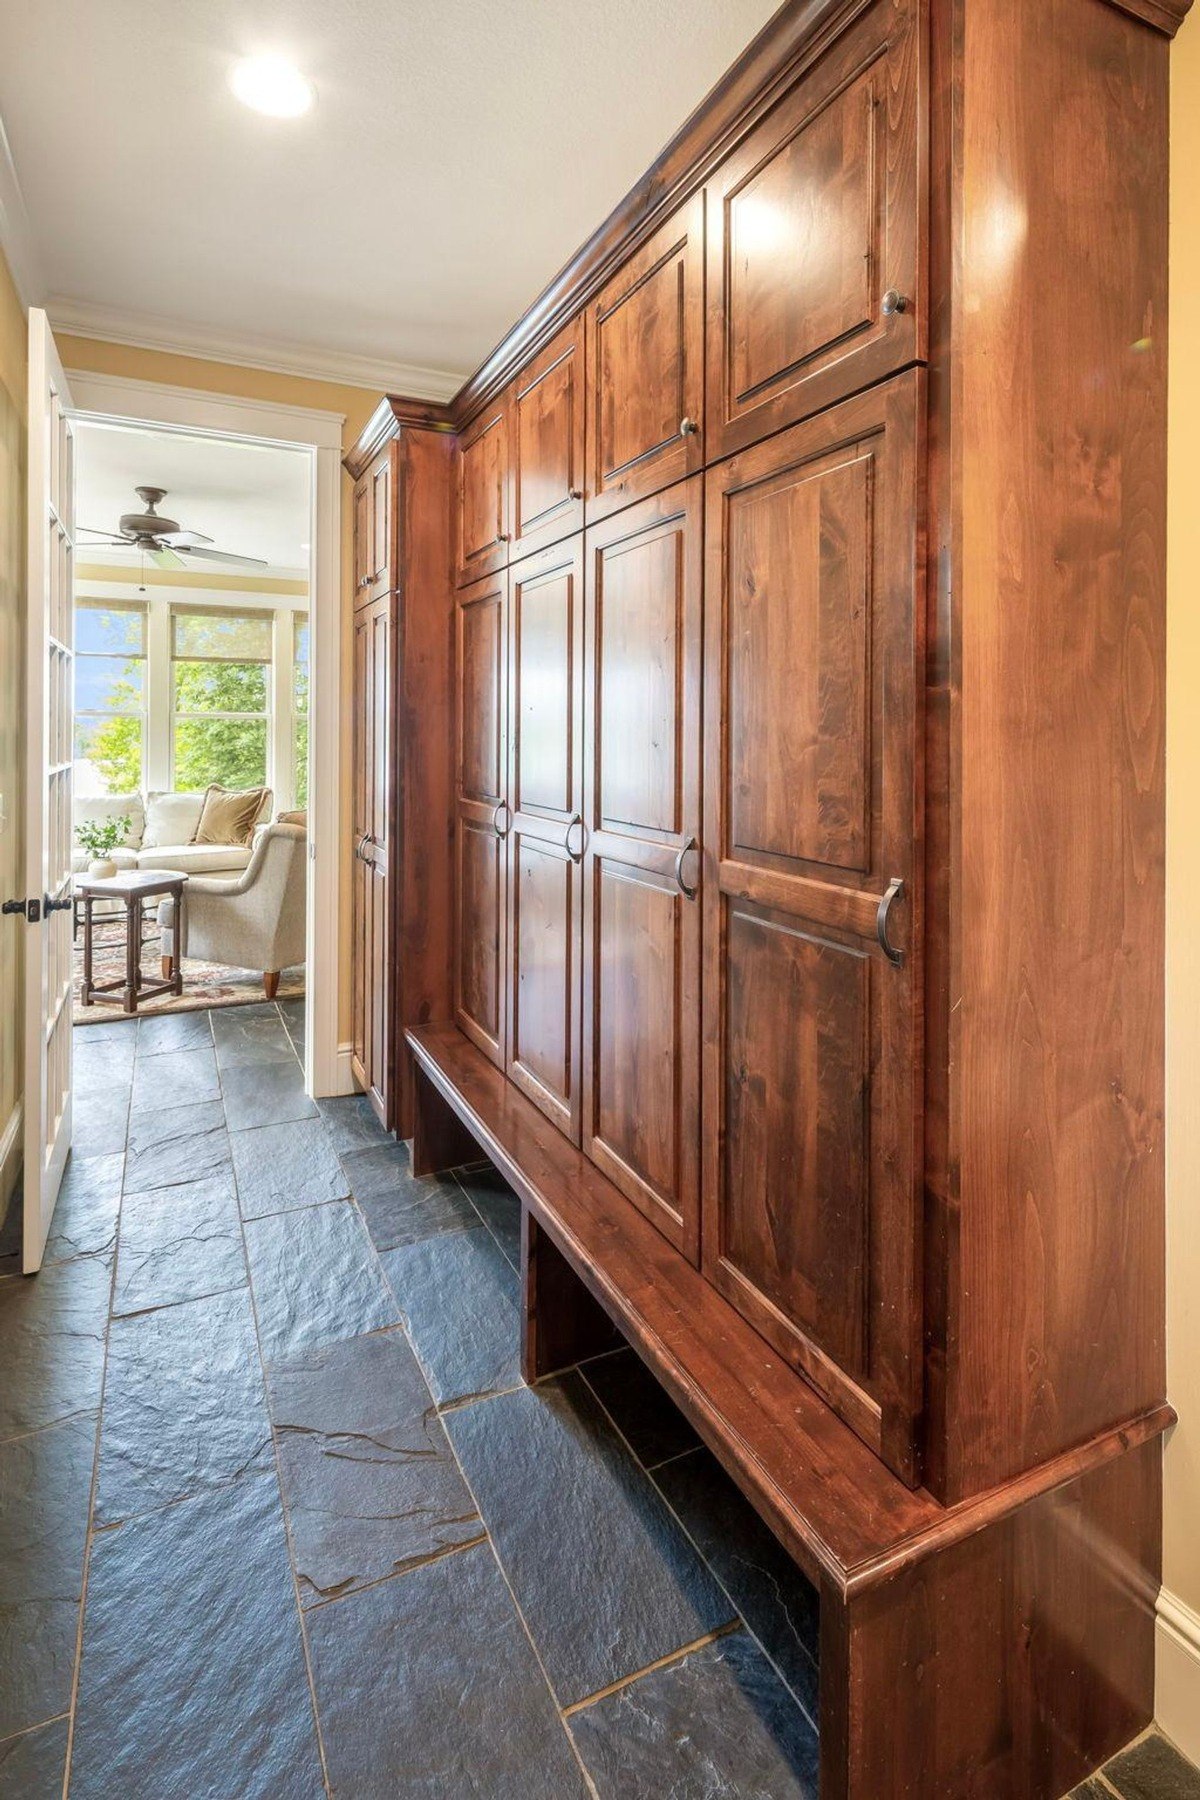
906 1584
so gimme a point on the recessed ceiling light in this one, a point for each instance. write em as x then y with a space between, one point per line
272 85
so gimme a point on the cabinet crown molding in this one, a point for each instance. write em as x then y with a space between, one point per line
393 413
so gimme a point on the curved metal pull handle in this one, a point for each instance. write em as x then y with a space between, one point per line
576 856
688 427
895 888
502 831
358 848
893 302
689 893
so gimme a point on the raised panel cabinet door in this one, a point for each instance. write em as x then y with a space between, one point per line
813 966
545 787
642 860
364 536
547 444
645 360
481 492
815 233
372 941
384 474
482 814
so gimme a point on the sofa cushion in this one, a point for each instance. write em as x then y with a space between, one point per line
114 806
171 819
196 859
229 816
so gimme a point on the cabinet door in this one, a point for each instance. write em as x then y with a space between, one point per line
645 358
544 843
815 231
481 813
641 868
547 445
374 537
364 536
481 486
372 943
814 670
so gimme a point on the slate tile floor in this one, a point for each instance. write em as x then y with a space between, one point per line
279 1518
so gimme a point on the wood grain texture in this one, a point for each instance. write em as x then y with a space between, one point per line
547 472
1046 1072
386 422
483 493
561 1323
481 812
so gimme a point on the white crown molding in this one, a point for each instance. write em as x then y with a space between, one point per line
148 331
120 399
16 233
1177 1673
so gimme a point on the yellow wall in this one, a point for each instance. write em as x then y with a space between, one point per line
1181 1546
12 773
357 404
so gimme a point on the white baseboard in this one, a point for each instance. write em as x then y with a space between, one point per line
11 1146
1177 1673
345 1073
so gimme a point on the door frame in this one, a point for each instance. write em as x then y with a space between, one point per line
116 400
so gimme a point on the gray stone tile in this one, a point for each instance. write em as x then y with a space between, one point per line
183 1143
102 1065
99 1121
370 1484
193 1679
292 1012
316 1279
1153 1770
52 1328
185 1409
376 1168
10 1234
352 1124
717 1725
31 1766
176 1078
45 1485
1091 1790
497 1206
265 1093
85 1215
606 1580
647 1418
179 1243
173 1031
427 1688
412 1208
280 1167
459 1296
104 1024
775 1599
249 1036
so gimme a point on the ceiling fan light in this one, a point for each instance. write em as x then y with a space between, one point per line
272 85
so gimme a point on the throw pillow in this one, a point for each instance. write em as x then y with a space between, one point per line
171 819
127 806
292 818
230 817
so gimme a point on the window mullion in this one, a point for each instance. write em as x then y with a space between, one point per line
159 776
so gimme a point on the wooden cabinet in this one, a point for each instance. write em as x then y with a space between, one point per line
815 662
814 232
482 493
374 531
544 839
548 445
645 358
641 867
482 814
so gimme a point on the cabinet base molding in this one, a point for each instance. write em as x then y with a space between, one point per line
1003 1646
1177 1673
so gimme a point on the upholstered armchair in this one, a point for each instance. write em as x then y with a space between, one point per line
254 920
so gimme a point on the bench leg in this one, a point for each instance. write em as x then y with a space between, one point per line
563 1324
440 1139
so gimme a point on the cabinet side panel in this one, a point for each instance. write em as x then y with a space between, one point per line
1054 1287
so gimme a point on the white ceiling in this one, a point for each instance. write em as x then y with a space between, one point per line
458 153
251 499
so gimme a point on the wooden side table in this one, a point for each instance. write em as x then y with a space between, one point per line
132 888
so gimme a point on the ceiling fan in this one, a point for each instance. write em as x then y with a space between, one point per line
163 540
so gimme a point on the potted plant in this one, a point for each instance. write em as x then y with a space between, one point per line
100 837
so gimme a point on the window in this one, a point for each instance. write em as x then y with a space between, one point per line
110 697
220 697
300 708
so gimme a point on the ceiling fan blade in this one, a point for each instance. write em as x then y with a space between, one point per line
166 558
223 556
183 540
112 537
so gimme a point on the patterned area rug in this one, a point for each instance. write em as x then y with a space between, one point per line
204 984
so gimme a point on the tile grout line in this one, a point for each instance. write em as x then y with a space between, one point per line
651 1668
420 1562
283 1509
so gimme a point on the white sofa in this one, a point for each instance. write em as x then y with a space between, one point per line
161 829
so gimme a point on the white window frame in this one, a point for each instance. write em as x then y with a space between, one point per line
273 769
99 603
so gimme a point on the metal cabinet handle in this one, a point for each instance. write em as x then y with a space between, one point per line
689 893
688 427
894 302
895 888
358 848
574 493
501 537
576 856
502 806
